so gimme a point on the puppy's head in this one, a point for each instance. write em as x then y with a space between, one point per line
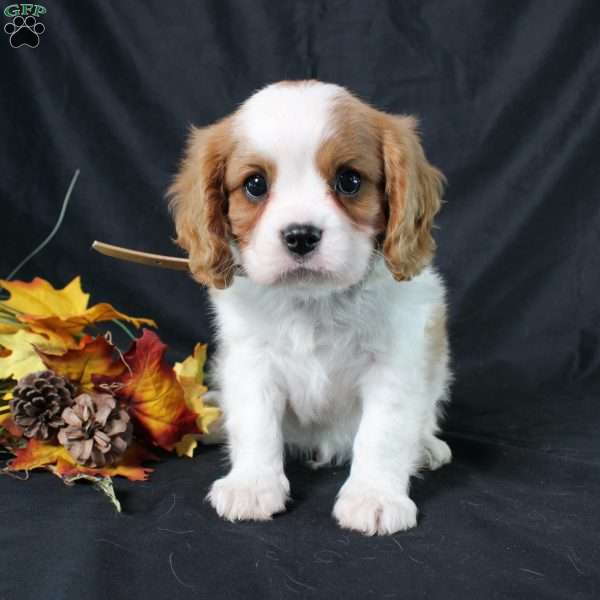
303 186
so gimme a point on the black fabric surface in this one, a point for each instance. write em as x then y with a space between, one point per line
507 94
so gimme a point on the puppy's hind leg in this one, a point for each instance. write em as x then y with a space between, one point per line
435 452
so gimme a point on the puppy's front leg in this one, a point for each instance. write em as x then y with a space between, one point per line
256 487
374 499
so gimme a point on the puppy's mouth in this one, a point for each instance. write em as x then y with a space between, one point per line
304 276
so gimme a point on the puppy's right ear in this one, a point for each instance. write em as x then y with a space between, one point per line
198 201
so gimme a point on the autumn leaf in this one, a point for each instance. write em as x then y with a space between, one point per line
58 338
206 414
155 399
56 459
75 324
37 454
187 444
95 356
59 313
23 359
190 374
41 299
6 327
129 466
11 435
12 428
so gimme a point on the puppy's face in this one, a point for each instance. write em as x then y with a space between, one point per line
302 186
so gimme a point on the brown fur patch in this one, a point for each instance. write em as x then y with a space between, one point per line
355 145
400 192
436 331
437 339
198 202
209 204
413 190
244 214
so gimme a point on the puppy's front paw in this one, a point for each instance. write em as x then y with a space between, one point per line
371 512
436 453
249 497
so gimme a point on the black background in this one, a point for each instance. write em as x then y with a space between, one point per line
507 94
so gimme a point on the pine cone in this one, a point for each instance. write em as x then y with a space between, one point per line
97 432
38 402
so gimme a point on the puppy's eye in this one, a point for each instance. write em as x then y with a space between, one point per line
347 182
255 187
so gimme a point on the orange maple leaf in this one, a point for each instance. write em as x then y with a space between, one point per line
95 356
38 454
154 397
12 427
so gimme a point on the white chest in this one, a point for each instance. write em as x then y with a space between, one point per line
318 359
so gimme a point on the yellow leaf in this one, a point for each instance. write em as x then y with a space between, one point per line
23 358
9 327
190 374
106 312
41 299
74 324
59 338
60 314
187 445
207 415
191 369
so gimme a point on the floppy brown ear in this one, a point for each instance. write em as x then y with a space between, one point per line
413 190
198 201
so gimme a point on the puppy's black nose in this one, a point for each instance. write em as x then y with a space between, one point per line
301 239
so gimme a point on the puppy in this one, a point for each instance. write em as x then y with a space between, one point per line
308 214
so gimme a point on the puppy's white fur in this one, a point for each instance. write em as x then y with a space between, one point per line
349 365
348 375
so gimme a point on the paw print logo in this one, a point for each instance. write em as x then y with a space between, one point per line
24 31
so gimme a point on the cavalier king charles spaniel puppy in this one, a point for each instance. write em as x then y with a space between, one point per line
308 215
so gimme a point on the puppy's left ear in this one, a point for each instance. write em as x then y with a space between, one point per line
413 190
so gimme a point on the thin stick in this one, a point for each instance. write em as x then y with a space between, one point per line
61 216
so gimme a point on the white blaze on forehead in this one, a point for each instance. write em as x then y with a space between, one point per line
288 119
287 124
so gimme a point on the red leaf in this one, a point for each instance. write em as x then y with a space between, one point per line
154 397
